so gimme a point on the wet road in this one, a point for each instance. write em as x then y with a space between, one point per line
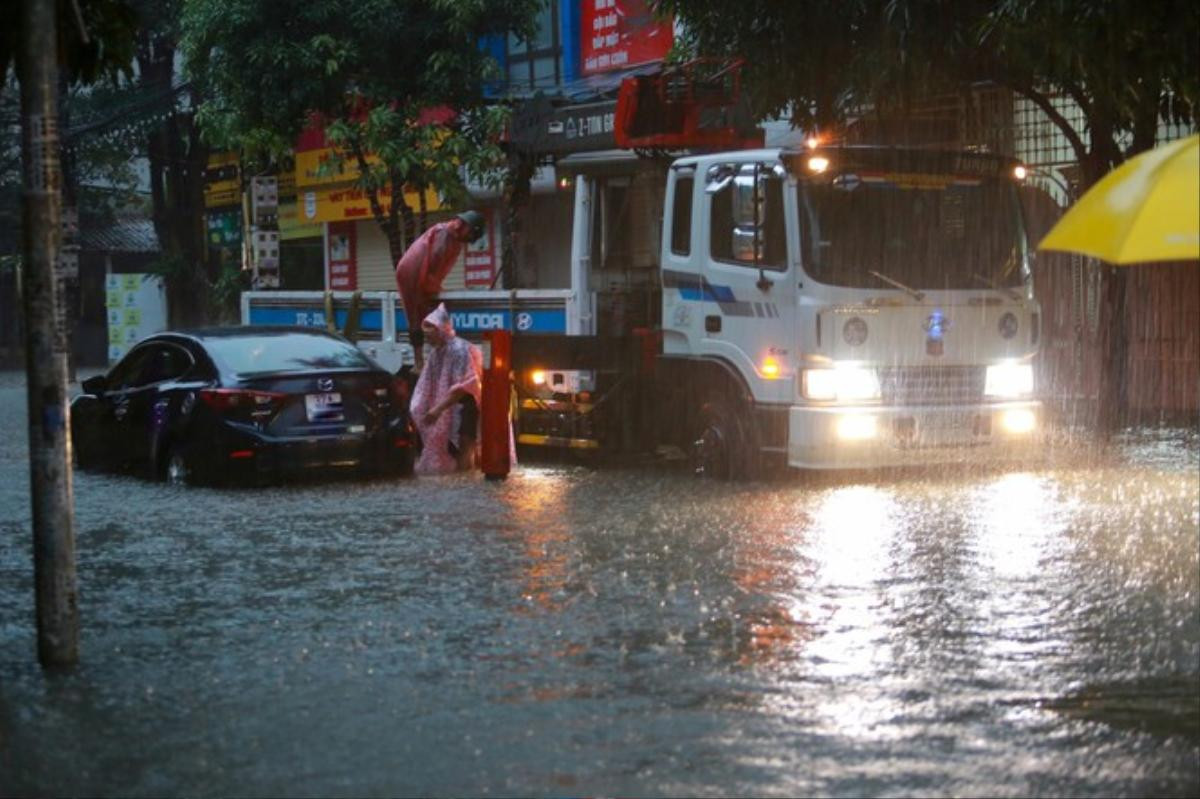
619 632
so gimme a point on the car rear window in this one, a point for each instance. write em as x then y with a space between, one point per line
284 352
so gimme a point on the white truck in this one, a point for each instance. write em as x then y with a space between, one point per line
823 307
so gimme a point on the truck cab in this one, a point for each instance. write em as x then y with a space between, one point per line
848 307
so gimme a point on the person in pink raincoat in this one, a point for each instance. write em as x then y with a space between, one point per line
445 403
424 265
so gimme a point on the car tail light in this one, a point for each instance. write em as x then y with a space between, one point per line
256 405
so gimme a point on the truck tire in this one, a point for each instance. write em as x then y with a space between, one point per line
722 446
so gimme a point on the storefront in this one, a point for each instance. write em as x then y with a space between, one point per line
301 243
354 249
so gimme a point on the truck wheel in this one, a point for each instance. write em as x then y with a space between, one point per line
721 446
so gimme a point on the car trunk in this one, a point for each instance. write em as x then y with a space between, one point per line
336 402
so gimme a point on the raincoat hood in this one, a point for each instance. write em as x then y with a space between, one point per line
439 318
454 364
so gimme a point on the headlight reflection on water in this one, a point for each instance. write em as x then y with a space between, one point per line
893 593
1015 517
853 530
1018 526
538 508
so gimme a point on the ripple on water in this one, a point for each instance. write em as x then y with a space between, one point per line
622 631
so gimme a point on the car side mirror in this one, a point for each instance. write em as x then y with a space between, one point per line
95 385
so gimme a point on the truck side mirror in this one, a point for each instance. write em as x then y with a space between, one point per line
719 176
749 211
747 200
746 244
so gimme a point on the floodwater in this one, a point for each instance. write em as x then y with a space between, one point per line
622 631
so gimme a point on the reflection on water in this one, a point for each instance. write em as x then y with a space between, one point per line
620 632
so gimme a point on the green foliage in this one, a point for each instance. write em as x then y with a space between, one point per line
107 52
225 295
1127 63
816 60
367 69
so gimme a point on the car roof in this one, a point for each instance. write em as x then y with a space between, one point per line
248 331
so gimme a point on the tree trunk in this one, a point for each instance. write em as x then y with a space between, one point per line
177 159
410 221
423 208
1114 342
515 196
1111 410
385 219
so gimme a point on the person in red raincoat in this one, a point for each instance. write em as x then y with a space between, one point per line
423 267
445 403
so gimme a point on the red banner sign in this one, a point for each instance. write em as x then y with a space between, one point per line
340 257
480 259
622 33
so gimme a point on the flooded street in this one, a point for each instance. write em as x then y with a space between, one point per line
623 631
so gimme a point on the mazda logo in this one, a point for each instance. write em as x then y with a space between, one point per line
325 384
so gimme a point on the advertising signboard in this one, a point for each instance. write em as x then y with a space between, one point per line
222 182
348 202
224 229
480 258
291 223
340 257
618 34
137 307
572 129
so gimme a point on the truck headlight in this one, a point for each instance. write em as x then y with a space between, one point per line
1009 380
842 383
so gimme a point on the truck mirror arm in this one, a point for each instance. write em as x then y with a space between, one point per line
764 284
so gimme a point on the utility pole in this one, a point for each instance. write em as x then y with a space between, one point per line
45 343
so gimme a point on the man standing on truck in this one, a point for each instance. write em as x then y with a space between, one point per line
423 267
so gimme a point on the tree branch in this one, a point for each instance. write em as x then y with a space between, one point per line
1062 123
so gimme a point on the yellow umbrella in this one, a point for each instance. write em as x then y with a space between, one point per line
1147 209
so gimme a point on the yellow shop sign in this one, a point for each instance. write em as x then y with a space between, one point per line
316 168
339 204
222 183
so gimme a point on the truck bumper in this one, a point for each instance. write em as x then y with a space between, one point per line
874 437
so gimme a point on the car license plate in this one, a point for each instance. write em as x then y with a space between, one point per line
325 407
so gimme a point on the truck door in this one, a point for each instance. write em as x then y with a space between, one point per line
749 316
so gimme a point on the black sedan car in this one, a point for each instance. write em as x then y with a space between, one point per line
241 404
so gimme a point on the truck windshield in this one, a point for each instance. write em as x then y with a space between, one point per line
922 230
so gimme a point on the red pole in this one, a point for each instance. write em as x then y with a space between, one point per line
494 437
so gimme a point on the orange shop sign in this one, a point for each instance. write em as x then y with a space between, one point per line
345 203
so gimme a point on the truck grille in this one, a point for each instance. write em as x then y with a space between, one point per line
931 385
